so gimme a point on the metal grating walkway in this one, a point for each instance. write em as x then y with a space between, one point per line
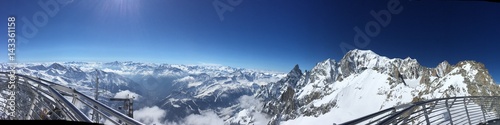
30 98
471 110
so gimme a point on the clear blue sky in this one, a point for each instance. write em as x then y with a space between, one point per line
257 34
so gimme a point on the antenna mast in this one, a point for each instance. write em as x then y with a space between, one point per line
96 97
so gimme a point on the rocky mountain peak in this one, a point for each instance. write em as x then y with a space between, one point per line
356 60
474 64
57 66
358 52
295 71
359 56
38 67
292 77
443 68
444 64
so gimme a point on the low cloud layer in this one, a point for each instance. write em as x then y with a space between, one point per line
150 115
250 106
205 118
253 107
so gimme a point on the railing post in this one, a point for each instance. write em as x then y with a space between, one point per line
448 111
467 112
74 99
32 106
453 103
497 105
434 106
426 115
392 113
482 108
35 94
407 115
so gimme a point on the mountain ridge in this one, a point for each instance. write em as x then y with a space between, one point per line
332 85
333 91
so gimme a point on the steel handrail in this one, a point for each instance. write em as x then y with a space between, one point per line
475 109
57 92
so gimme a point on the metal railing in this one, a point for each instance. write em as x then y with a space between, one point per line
446 111
39 99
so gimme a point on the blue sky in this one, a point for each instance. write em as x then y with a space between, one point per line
257 34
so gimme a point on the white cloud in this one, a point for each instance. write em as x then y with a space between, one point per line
124 94
255 106
247 102
187 79
191 81
205 118
251 108
108 122
119 72
150 115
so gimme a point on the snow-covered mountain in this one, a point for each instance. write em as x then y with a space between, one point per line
363 82
75 76
181 90
360 83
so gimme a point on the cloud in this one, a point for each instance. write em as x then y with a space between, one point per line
247 102
187 79
150 115
124 94
119 72
207 117
108 122
253 107
260 118
250 110
249 105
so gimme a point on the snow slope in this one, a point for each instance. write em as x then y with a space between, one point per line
363 82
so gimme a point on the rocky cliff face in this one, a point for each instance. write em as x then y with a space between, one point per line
279 96
365 80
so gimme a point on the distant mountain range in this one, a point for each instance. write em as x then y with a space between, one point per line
360 83
183 89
